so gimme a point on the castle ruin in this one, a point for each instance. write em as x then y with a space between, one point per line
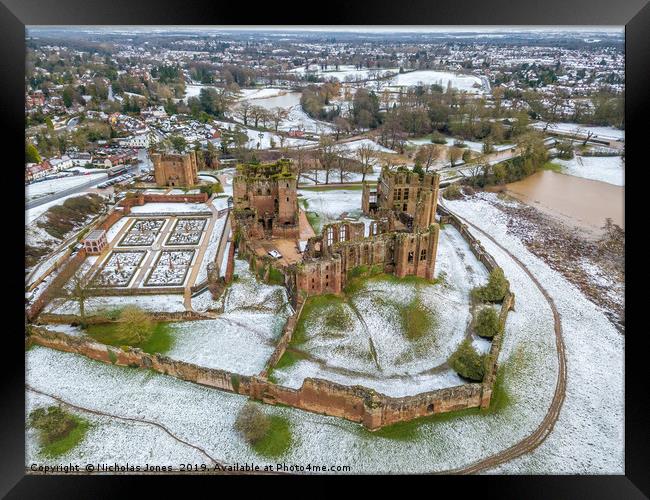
175 169
401 239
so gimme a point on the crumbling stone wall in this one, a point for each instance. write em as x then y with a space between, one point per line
401 253
356 403
404 192
57 283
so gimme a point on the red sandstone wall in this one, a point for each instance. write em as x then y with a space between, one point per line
56 284
357 404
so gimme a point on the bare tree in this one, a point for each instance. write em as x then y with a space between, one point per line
587 134
277 115
243 112
365 155
76 290
257 113
454 154
427 155
327 153
341 126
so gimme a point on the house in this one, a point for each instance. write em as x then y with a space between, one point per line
95 242
62 163
136 141
81 159
35 171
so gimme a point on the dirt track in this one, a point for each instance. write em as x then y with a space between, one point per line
529 443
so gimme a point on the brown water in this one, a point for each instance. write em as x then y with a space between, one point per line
583 203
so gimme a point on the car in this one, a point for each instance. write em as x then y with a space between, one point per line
275 254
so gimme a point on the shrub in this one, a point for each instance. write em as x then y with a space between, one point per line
58 430
487 322
52 423
135 325
496 288
251 423
438 138
467 362
452 192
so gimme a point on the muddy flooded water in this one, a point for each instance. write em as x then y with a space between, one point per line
583 203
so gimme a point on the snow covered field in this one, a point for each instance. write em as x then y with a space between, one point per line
153 303
331 203
265 139
346 72
171 208
243 337
430 77
609 169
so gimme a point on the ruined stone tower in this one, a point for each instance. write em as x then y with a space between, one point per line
175 169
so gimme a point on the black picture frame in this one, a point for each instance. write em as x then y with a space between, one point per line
16 14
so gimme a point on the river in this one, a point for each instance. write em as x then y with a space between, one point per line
581 203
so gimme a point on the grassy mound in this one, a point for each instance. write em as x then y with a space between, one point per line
160 341
269 436
59 431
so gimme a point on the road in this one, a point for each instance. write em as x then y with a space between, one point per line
77 189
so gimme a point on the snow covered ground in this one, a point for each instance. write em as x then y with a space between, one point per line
589 435
430 77
331 203
166 303
609 169
43 188
243 337
211 250
376 348
265 139
241 341
346 72
32 214
170 208
352 147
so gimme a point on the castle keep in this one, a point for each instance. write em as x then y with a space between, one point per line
265 199
175 169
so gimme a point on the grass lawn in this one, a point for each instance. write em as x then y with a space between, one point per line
160 341
314 304
58 430
289 358
314 221
555 167
277 440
